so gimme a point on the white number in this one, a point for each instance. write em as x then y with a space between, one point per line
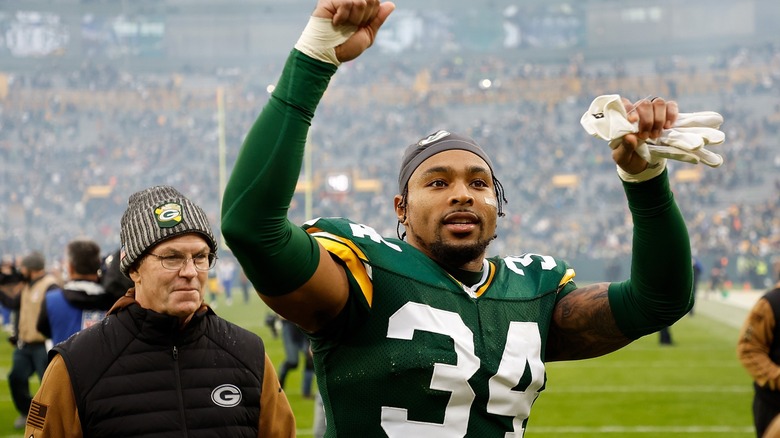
360 230
548 262
523 347
453 378
526 347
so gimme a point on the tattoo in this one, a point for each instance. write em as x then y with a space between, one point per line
583 326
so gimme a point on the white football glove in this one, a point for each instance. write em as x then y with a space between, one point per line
684 141
607 119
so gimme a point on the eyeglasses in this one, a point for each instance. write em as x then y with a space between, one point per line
202 262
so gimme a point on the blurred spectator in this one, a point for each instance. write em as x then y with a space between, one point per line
30 354
243 282
296 344
226 272
718 275
113 281
11 282
697 270
82 301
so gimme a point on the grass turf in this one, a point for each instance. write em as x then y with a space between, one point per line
695 388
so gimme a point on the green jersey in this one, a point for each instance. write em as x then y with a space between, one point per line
417 353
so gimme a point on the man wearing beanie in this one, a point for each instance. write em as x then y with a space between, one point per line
30 354
162 363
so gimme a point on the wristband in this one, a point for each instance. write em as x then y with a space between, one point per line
654 169
320 38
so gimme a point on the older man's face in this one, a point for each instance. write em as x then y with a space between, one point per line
172 292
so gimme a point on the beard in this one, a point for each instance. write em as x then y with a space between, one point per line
457 255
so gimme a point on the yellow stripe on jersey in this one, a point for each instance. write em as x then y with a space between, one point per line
567 277
351 255
481 290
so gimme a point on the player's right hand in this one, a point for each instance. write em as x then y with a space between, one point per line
367 15
651 116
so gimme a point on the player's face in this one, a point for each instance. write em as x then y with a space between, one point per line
451 209
177 293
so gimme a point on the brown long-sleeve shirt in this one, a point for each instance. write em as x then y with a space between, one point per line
755 342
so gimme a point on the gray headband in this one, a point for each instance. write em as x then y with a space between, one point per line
431 145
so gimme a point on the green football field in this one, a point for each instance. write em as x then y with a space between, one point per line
695 388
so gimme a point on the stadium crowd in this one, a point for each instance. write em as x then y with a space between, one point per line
75 144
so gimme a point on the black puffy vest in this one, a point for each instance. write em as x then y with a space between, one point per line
137 374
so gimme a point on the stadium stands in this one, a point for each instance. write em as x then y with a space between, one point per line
75 144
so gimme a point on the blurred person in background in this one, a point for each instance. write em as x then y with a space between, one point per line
296 344
82 301
758 349
11 282
244 284
30 354
698 269
162 363
226 272
665 336
113 281
213 287
719 275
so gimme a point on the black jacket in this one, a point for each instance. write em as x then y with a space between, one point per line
138 374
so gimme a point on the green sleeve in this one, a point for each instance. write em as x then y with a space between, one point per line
660 290
276 255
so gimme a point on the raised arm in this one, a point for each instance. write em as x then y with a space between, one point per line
290 270
600 318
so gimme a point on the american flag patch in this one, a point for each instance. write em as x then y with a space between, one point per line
91 317
37 416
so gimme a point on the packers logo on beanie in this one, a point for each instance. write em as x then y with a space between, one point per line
157 214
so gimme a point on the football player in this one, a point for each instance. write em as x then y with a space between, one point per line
426 335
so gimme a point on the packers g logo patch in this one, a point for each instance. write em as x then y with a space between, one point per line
226 396
168 215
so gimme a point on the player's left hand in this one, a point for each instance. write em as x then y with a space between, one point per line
651 116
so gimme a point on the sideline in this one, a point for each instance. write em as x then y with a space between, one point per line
654 430
729 307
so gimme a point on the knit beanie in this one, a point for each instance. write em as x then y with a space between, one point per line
157 214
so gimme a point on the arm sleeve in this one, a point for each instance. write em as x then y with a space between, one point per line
277 256
53 411
276 415
660 290
755 337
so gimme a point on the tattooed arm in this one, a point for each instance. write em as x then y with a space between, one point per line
601 318
583 326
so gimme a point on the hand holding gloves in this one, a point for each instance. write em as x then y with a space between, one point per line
684 141
687 138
